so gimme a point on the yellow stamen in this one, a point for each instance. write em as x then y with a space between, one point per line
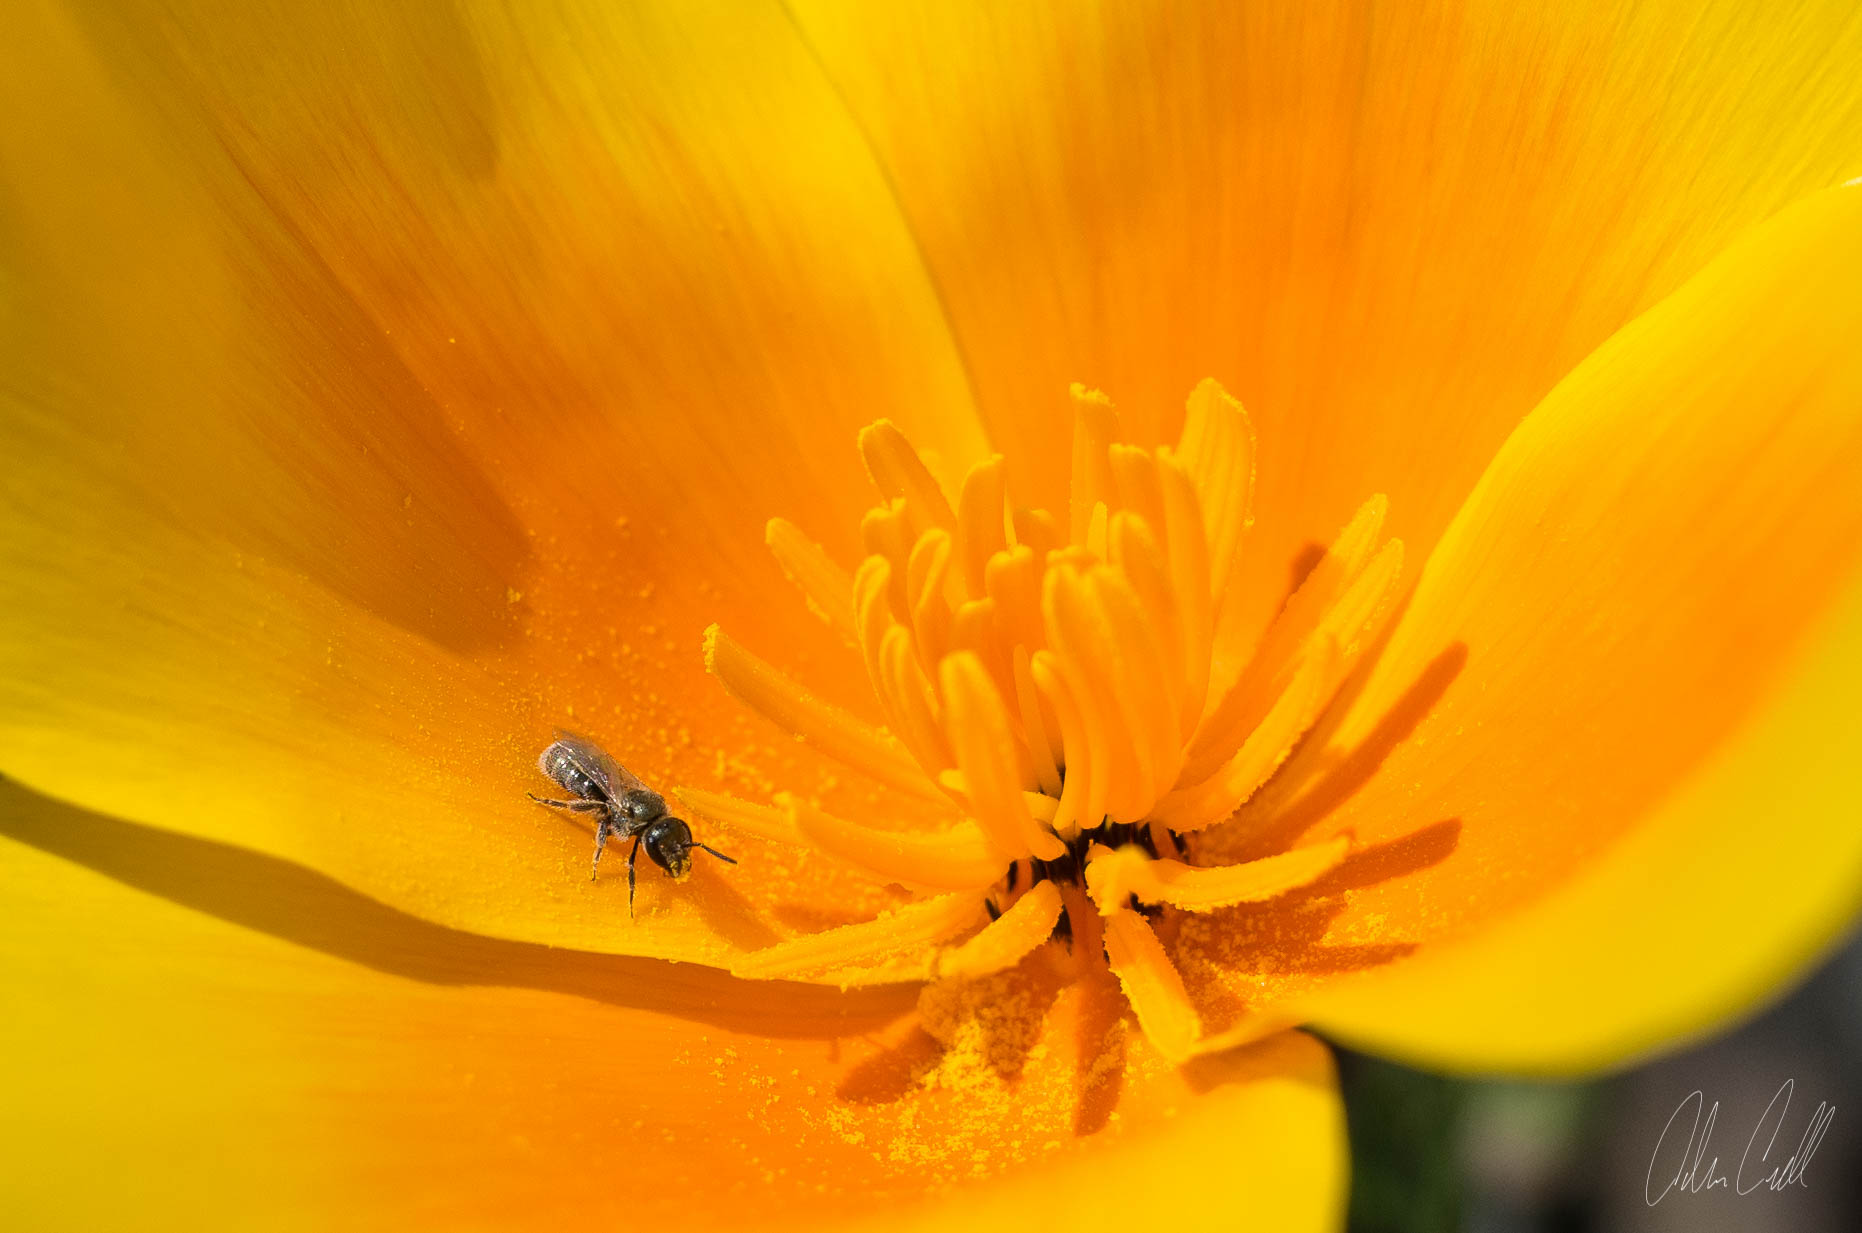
872 616
1262 753
924 589
1013 580
1041 806
763 821
1035 723
974 629
985 749
1359 612
1029 922
1147 674
898 471
1096 532
960 857
1104 687
910 704
1188 547
1037 529
1050 676
1082 795
886 532
1141 562
1095 427
1218 449
1114 877
900 945
1140 488
982 527
1242 707
827 728
1152 985
825 585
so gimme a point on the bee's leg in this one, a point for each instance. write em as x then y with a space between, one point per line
631 854
577 806
601 841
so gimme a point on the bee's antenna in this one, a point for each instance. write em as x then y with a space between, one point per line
729 860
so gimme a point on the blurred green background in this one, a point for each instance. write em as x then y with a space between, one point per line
1433 1154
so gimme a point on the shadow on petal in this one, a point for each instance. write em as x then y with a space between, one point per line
894 1071
1103 1043
1238 960
1396 858
1245 838
300 905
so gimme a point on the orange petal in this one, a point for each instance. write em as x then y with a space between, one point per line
315 1046
1652 594
1388 240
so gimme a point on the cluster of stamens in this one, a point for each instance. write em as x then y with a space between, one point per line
1057 687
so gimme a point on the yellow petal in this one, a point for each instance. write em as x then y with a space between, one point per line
1651 593
252 1045
366 425
1742 877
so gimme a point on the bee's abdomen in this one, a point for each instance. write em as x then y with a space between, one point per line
559 764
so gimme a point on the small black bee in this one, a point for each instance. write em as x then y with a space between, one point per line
622 805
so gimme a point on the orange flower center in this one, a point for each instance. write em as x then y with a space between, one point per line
1056 683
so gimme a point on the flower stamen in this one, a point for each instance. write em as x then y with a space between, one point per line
764 821
1060 693
826 727
825 585
1152 985
1003 942
902 944
959 857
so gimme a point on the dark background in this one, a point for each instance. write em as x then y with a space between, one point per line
1432 1154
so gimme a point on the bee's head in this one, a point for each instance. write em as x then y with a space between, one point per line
669 843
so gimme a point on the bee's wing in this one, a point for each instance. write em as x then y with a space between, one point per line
598 764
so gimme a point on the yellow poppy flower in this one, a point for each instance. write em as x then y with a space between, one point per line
386 391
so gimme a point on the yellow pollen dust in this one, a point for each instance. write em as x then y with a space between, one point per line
1048 677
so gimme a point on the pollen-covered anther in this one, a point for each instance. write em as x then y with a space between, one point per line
1113 878
1061 682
